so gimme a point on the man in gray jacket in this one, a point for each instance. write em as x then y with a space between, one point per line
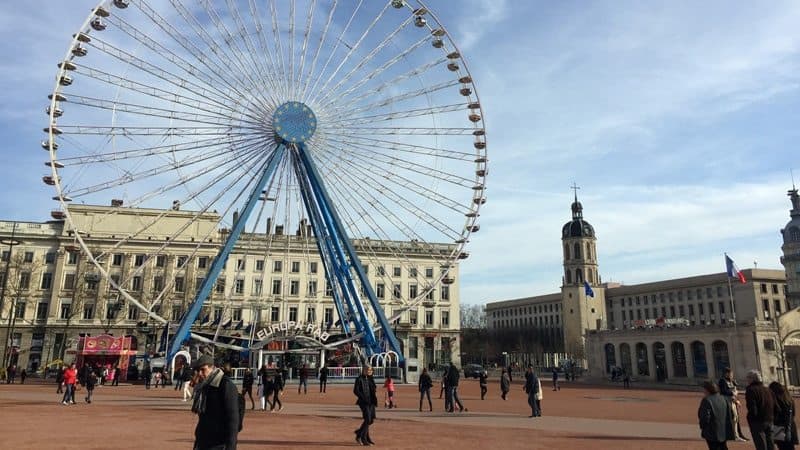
716 418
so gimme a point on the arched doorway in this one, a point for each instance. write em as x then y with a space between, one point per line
660 357
699 359
611 358
719 351
625 358
642 366
678 360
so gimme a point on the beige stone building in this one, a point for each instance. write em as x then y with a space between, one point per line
58 294
681 330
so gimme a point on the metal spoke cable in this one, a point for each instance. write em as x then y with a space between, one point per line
309 77
395 115
138 153
272 60
278 47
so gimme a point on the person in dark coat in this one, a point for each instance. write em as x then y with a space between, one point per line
505 385
247 386
216 403
323 379
483 381
367 400
90 383
532 389
147 374
425 385
60 379
785 433
716 418
453 377
760 411
22 375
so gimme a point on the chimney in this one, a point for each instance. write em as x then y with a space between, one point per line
279 230
116 202
235 217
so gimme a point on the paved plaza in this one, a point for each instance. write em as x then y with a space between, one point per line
130 417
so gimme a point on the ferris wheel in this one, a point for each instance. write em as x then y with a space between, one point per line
355 123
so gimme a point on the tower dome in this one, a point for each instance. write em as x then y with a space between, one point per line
577 227
791 232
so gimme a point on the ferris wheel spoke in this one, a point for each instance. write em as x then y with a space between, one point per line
351 51
323 36
264 71
422 92
191 69
276 34
217 67
130 178
272 60
405 147
250 69
149 131
332 92
304 48
418 131
292 88
347 99
394 115
339 40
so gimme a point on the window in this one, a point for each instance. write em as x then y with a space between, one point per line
396 271
181 261
380 290
709 294
777 307
276 287
428 317
294 287
179 284
295 266
66 310
136 283
259 265
72 258
691 310
88 311
445 293
429 295
412 272
328 316
138 260
311 315
198 283
161 260
236 315
258 286
769 344
220 288
19 310
241 264
719 291
50 257
774 288
5 255
28 258
293 314
217 314
202 262
412 291
117 259
700 309
158 283
366 269
710 308
429 272
115 279
133 312
25 280
312 267
312 288
445 319
41 311
681 311
277 266
238 286
381 270
413 346
397 291
412 317
328 289
765 304
699 293
275 314
177 312
69 281
722 307
763 288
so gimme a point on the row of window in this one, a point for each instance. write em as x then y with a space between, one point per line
702 308
534 309
541 321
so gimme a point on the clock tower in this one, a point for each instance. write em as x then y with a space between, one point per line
583 298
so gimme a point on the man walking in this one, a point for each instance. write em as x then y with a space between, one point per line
556 386
505 385
760 411
216 404
323 379
532 387
367 400
303 380
452 388
247 386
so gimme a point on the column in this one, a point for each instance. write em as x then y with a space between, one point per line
687 353
668 364
651 360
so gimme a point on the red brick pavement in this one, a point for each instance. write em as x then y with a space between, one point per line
130 417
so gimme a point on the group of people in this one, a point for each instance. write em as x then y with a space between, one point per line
70 379
770 413
11 374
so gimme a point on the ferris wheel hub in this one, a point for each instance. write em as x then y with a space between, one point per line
294 122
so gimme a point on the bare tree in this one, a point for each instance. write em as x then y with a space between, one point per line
22 270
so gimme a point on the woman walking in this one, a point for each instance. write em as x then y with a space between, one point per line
247 387
425 385
505 385
367 400
784 428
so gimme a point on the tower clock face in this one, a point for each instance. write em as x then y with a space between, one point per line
587 230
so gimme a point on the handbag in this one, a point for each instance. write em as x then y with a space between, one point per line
780 433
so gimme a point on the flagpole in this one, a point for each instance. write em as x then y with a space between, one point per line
733 311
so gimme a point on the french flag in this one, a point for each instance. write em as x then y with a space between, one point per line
733 271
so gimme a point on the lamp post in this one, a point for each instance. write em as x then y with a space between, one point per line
10 242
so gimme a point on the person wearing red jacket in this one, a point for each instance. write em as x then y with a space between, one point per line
70 378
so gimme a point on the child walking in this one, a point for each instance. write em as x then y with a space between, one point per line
389 386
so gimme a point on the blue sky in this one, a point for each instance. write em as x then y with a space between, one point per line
678 121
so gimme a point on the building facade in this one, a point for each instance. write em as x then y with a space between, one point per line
680 330
52 293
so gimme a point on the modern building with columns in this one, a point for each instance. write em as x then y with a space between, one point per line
681 330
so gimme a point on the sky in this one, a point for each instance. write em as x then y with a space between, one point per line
677 120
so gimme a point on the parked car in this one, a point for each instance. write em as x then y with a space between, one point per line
473 370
